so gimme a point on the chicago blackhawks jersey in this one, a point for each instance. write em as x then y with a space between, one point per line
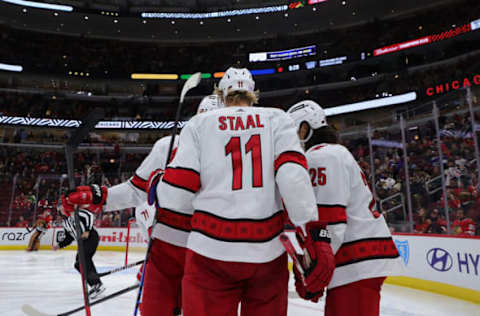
464 227
361 240
225 183
133 193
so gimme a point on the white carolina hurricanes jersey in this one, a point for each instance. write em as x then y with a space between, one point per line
132 193
361 240
225 182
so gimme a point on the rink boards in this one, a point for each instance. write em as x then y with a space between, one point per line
111 238
440 264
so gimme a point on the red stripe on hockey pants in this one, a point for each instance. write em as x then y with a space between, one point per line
215 288
361 298
162 290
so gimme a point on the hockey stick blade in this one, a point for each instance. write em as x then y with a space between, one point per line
128 266
191 83
31 311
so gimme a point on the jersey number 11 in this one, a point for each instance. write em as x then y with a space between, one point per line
254 147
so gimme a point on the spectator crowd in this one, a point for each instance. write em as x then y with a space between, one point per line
427 197
39 182
33 181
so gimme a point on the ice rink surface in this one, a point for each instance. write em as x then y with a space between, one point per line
48 282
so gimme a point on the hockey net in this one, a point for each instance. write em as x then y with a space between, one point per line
136 244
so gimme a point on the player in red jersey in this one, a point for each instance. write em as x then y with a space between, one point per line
462 225
364 250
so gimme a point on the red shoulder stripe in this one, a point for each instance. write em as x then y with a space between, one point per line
139 183
183 178
290 156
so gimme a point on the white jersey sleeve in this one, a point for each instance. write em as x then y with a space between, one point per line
177 189
132 193
291 172
182 176
331 182
144 215
361 240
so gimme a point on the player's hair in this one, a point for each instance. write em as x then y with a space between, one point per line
326 134
238 96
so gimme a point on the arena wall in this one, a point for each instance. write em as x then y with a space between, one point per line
442 264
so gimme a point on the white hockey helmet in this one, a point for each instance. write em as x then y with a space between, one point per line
310 112
236 79
210 102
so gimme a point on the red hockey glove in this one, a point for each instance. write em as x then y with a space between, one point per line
319 261
302 290
153 181
68 208
93 195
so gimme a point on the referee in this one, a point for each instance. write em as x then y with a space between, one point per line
90 242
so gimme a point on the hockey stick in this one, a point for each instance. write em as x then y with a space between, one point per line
287 244
31 311
78 232
88 124
128 266
191 83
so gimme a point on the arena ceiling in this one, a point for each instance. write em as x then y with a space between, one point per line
122 19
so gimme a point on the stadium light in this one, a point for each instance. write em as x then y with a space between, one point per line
210 15
40 5
187 76
8 67
371 104
260 72
475 25
155 76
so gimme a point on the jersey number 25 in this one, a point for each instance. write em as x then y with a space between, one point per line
318 176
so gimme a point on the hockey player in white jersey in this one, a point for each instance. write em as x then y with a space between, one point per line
132 193
232 168
364 250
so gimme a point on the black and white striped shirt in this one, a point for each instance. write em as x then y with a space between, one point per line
86 222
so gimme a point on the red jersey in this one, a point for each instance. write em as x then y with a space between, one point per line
22 224
465 227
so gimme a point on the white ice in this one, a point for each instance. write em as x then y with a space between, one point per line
47 281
